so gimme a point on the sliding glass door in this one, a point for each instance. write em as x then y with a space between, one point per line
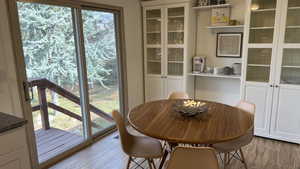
73 67
99 31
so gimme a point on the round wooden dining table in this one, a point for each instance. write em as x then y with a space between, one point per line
221 123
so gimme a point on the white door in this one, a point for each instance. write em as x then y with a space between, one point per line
286 115
173 84
261 96
154 88
286 109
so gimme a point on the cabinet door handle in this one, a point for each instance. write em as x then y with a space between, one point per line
271 86
276 86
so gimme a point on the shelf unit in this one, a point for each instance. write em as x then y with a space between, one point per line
271 75
216 75
226 27
211 6
168 48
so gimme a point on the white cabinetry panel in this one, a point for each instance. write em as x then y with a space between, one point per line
261 96
14 153
286 117
173 85
154 88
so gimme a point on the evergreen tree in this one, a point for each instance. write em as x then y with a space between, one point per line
49 46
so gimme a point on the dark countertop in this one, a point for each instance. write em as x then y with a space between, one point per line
9 122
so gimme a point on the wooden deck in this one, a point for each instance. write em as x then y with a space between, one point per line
54 141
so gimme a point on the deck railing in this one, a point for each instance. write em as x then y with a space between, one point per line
43 84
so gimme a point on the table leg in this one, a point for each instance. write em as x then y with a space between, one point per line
163 159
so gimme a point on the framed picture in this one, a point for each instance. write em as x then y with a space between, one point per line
229 44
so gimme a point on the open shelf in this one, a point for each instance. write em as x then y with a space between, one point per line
154 18
150 32
264 10
154 61
216 75
176 31
179 16
258 65
225 27
267 27
175 46
212 6
292 27
296 67
153 45
293 8
175 61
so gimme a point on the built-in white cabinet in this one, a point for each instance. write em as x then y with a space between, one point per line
271 76
14 153
168 48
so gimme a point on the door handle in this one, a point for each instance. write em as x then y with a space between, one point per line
26 92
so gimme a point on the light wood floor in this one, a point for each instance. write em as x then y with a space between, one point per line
260 154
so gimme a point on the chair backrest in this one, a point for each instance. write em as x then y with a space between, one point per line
125 138
246 106
193 158
178 95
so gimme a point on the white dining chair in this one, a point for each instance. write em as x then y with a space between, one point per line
137 146
178 95
233 149
193 158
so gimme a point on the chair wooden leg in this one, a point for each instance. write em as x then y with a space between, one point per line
243 158
149 163
162 162
128 163
153 163
226 160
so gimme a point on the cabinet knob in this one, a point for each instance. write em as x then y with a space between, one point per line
271 86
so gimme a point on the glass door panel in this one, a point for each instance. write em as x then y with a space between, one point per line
294 3
154 41
102 67
262 21
290 73
175 51
259 61
292 33
52 71
154 60
258 73
153 26
263 4
259 56
175 61
176 25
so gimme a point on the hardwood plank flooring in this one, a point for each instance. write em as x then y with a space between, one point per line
260 154
54 141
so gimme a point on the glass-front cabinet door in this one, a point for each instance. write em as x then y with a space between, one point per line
261 40
175 41
153 40
290 63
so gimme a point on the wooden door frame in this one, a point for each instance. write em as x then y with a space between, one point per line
22 77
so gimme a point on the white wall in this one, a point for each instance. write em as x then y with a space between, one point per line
9 96
217 89
133 41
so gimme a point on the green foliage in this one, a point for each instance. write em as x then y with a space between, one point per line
49 45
